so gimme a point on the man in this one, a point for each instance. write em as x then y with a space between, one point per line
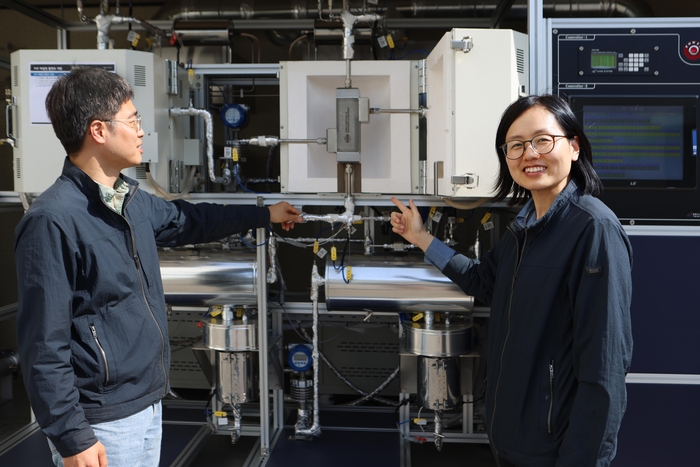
92 324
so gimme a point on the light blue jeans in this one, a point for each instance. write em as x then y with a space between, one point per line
130 442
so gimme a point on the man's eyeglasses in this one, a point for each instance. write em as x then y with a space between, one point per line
134 123
541 144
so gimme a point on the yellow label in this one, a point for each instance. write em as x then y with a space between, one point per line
334 253
433 210
460 220
348 273
234 154
417 316
486 218
316 247
220 414
135 42
390 41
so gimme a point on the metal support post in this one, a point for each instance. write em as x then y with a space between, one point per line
262 343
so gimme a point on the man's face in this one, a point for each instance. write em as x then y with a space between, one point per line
123 138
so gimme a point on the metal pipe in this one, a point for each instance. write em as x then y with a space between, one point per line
308 141
191 111
376 110
349 179
316 282
379 389
628 8
270 141
348 80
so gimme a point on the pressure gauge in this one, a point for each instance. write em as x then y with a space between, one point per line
234 116
299 358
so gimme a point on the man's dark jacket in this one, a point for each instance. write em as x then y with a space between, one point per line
92 324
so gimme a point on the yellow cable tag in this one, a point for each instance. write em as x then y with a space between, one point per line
334 253
433 210
135 42
234 154
486 218
220 414
190 76
348 273
316 247
417 316
390 41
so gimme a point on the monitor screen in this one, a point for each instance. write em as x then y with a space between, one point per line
641 142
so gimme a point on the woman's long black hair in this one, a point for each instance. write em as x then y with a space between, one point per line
581 170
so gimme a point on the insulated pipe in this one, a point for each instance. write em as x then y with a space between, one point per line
316 282
179 112
272 251
347 218
236 429
626 8
348 40
104 23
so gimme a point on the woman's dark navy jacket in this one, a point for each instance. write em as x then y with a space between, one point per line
92 324
560 341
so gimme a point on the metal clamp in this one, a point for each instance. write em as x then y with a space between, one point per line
465 45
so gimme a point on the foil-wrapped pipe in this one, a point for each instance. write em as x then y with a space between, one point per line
225 179
437 434
236 429
272 252
316 282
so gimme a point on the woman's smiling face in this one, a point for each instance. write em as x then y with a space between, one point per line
545 175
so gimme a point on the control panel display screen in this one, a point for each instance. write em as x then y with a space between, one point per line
643 142
604 60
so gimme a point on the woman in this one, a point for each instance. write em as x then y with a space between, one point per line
559 287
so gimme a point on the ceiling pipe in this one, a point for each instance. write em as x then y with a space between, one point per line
580 8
